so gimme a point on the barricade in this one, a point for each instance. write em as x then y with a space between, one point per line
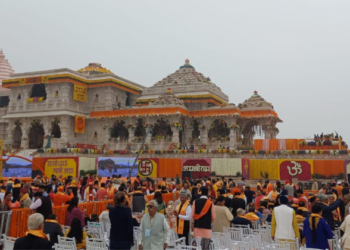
19 218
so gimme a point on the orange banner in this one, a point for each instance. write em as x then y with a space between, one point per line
169 167
79 124
328 167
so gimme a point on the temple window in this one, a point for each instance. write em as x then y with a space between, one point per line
119 132
96 97
127 100
95 135
162 129
196 133
140 129
219 130
56 131
56 93
19 97
4 101
38 91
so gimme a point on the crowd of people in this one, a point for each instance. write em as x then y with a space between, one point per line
201 206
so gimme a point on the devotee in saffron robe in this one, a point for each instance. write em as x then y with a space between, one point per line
183 216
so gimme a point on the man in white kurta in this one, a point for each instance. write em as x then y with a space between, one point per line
155 230
284 224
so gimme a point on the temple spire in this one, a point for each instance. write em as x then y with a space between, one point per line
5 67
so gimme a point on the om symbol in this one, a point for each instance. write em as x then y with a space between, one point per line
297 169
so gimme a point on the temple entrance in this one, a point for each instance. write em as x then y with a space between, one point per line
56 131
119 131
17 137
36 136
196 133
219 130
140 129
162 129
251 129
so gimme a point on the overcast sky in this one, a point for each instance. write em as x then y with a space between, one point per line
294 53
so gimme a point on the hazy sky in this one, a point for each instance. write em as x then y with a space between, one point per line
294 53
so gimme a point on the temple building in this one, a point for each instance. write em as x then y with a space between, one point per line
5 72
63 108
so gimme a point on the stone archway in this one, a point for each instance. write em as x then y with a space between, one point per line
17 137
219 129
196 133
36 135
56 131
119 131
162 129
140 129
250 130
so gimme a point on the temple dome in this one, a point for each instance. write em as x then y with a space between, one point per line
255 102
94 69
185 75
5 67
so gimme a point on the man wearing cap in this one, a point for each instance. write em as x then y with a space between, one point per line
61 198
42 205
90 192
183 216
327 209
284 223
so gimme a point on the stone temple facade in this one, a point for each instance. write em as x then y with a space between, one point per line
184 109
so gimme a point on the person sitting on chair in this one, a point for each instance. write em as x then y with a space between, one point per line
77 231
35 238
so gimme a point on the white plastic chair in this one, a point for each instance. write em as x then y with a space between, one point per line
95 243
233 233
63 247
220 240
184 247
96 229
255 239
108 229
293 243
66 241
8 242
245 229
65 228
255 224
272 246
241 245
137 236
264 234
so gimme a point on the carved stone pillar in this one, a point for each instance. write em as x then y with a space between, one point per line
131 133
10 132
233 139
65 126
25 134
175 138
